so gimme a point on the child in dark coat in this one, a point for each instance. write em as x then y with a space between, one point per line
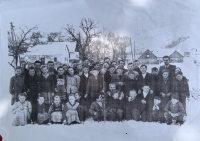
145 103
174 110
115 107
42 111
31 87
16 85
55 111
156 114
97 109
132 109
46 86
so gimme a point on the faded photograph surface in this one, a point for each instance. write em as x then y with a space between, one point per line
100 70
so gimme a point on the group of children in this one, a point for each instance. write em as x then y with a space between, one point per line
102 90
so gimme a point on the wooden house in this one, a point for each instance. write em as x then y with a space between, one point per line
176 57
148 58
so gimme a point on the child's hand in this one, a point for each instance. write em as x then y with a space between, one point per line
168 94
95 113
139 92
151 91
108 93
129 99
86 95
163 95
102 91
143 102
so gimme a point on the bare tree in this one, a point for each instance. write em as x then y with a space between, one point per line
18 44
83 41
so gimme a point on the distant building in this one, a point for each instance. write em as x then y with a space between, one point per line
58 52
148 58
176 57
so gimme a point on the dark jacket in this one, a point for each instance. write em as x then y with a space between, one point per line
17 84
146 80
177 108
46 85
130 84
83 83
171 69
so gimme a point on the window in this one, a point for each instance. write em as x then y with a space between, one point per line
147 55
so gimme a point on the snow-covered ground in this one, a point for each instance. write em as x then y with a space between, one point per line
151 24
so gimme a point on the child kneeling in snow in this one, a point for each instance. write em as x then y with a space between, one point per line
70 111
55 111
174 111
156 113
97 109
22 110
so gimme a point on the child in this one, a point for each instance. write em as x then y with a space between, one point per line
82 110
174 110
130 82
94 86
114 107
31 87
22 109
55 111
165 90
16 85
97 109
42 115
156 109
61 84
145 103
108 76
46 86
118 78
180 86
132 111
70 113
154 80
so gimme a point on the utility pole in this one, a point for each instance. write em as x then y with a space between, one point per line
132 48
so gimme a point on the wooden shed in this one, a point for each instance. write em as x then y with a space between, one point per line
148 58
176 57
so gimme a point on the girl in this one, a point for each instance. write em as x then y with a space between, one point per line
22 110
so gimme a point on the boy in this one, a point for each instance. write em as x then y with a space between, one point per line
31 87
55 111
42 115
82 110
16 85
145 99
46 86
22 109
108 76
165 90
97 109
94 86
114 107
70 111
130 82
174 110
61 84
154 80
180 86
156 109
132 112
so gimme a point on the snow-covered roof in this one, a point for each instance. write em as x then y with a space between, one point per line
51 48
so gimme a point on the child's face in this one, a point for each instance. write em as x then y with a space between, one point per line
112 87
85 70
146 89
115 95
179 77
41 100
119 71
177 70
130 67
95 72
174 101
131 76
99 98
22 99
136 64
165 75
18 71
71 71
143 69
60 71
45 70
156 101
50 66
57 100
132 94
72 99
105 65
77 96
32 72
114 63
65 67
23 65
112 70
37 65
155 72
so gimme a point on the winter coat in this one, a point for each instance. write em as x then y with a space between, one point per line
116 79
83 83
46 84
177 108
170 68
146 80
129 84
